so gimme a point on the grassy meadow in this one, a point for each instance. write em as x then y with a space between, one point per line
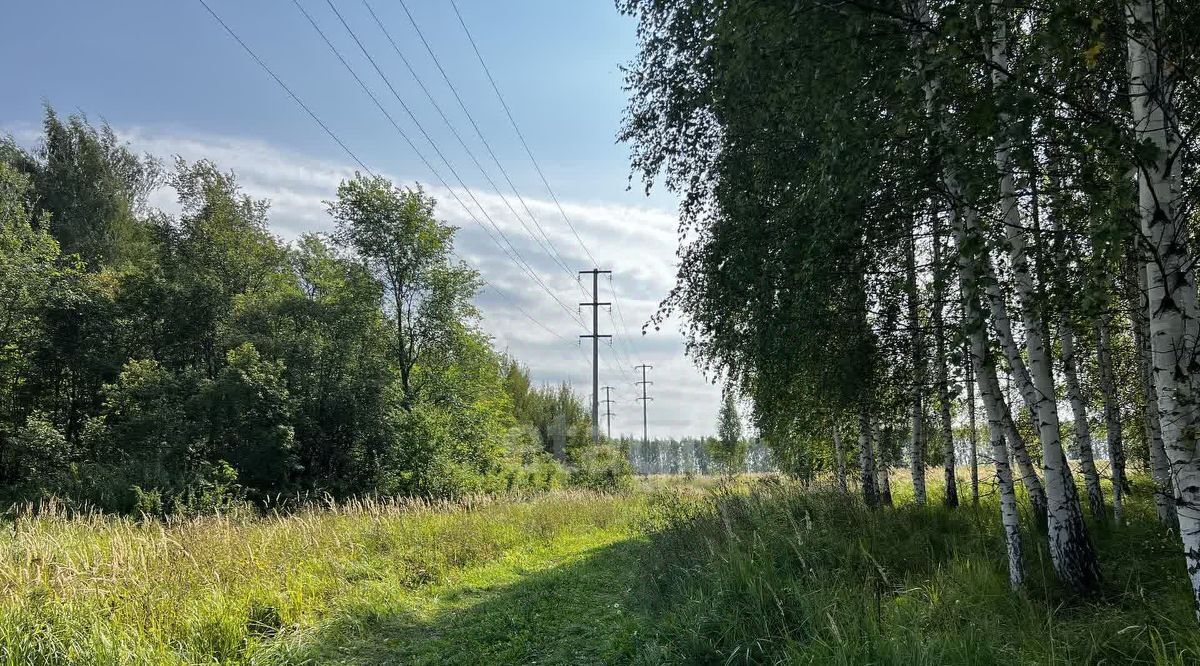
678 572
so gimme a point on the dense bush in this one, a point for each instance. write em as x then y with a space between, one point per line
158 364
602 468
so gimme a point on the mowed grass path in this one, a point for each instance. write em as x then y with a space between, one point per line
544 580
567 601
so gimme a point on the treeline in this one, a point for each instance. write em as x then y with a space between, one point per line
159 363
696 456
893 212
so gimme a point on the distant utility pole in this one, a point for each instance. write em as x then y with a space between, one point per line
595 336
644 398
608 401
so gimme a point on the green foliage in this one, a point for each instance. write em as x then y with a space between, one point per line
249 415
185 364
602 468
554 418
728 449
394 233
779 575
40 453
91 186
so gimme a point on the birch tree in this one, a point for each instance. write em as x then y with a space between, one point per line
1071 549
1170 282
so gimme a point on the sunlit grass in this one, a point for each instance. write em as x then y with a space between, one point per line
753 570
103 590
783 575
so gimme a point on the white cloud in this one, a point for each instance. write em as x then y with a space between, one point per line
636 243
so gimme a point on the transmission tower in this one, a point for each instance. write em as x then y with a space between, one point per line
595 336
645 399
608 401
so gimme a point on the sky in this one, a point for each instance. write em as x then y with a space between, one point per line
169 79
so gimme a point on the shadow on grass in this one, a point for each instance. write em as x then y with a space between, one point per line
586 611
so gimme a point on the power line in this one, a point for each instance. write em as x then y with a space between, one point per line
346 148
496 290
285 87
517 259
433 144
621 316
617 350
550 250
608 401
516 128
428 165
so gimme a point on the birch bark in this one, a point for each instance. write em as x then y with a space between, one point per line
1071 550
989 391
916 443
1171 286
866 459
883 479
1160 469
943 381
839 459
1083 431
974 326
1112 417
973 451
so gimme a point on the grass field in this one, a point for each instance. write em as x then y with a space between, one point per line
760 572
365 583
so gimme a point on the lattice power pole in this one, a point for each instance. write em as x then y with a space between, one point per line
608 401
645 399
595 336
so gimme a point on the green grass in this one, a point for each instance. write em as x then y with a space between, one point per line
754 572
779 575
359 583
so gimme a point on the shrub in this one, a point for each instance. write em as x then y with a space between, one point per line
602 468
41 454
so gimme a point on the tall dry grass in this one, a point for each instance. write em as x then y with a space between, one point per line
86 588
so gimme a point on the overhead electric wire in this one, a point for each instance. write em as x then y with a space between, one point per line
528 151
546 246
517 129
478 132
496 290
433 144
521 263
285 87
347 149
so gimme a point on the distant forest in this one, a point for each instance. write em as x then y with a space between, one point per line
691 455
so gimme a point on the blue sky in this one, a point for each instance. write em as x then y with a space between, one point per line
168 78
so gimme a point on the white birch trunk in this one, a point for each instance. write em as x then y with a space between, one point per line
943 381
1171 285
989 391
1070 363
976 331
1025 466
883 477
916 444
839 459
1071 550
866 459
1112 418
1160 470
1083 430
1012 353
973 451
